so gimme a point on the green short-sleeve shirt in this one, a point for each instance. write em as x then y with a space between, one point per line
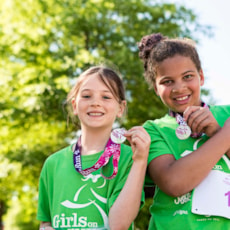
74 202
169 213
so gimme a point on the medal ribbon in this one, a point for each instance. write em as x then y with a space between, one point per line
180 120
111 149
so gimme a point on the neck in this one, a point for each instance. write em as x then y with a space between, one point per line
94 142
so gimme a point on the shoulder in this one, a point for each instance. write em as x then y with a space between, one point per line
160 121
220 112
59 155
163 124
222 108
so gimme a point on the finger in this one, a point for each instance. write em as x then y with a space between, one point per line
199 126
137 135
196 116
138 130
128 138
189 110
196 121
140 137
141 143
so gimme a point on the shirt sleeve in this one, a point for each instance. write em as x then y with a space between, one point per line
158 145
43 212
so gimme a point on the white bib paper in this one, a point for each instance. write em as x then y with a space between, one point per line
212 196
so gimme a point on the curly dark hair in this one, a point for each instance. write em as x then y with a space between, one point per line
155 48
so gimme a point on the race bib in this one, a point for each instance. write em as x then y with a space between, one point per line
212 196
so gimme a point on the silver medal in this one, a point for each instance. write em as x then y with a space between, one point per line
117 135
183 131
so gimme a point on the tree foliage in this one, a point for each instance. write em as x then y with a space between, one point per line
44 46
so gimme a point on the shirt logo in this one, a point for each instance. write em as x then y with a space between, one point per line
63 221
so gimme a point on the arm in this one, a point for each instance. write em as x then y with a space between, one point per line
46 225
177 177
43 211
128 202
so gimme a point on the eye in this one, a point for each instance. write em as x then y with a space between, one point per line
106 97
86 96
188 77
167 82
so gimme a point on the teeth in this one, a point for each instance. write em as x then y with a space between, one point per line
181 98
95 114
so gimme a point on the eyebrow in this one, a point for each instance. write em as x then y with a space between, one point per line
105 91
169 77
188 71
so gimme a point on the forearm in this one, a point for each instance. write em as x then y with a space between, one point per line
46 225
126 207
181 176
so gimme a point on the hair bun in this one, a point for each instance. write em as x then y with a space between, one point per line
147 43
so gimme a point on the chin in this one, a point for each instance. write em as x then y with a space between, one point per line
179 109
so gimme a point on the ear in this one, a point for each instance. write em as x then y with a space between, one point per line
121 109
155 89
201 77
74 106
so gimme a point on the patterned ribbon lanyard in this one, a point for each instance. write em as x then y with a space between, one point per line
111 149
183 131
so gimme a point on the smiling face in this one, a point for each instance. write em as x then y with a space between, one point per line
178 83
95 104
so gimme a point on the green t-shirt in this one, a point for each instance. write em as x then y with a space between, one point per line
74 202
170 213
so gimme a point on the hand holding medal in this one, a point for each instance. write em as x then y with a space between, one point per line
139 141
201 120
183 131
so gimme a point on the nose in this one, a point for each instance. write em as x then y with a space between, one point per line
178 87
95 101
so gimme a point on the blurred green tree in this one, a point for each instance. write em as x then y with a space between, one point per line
44 46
